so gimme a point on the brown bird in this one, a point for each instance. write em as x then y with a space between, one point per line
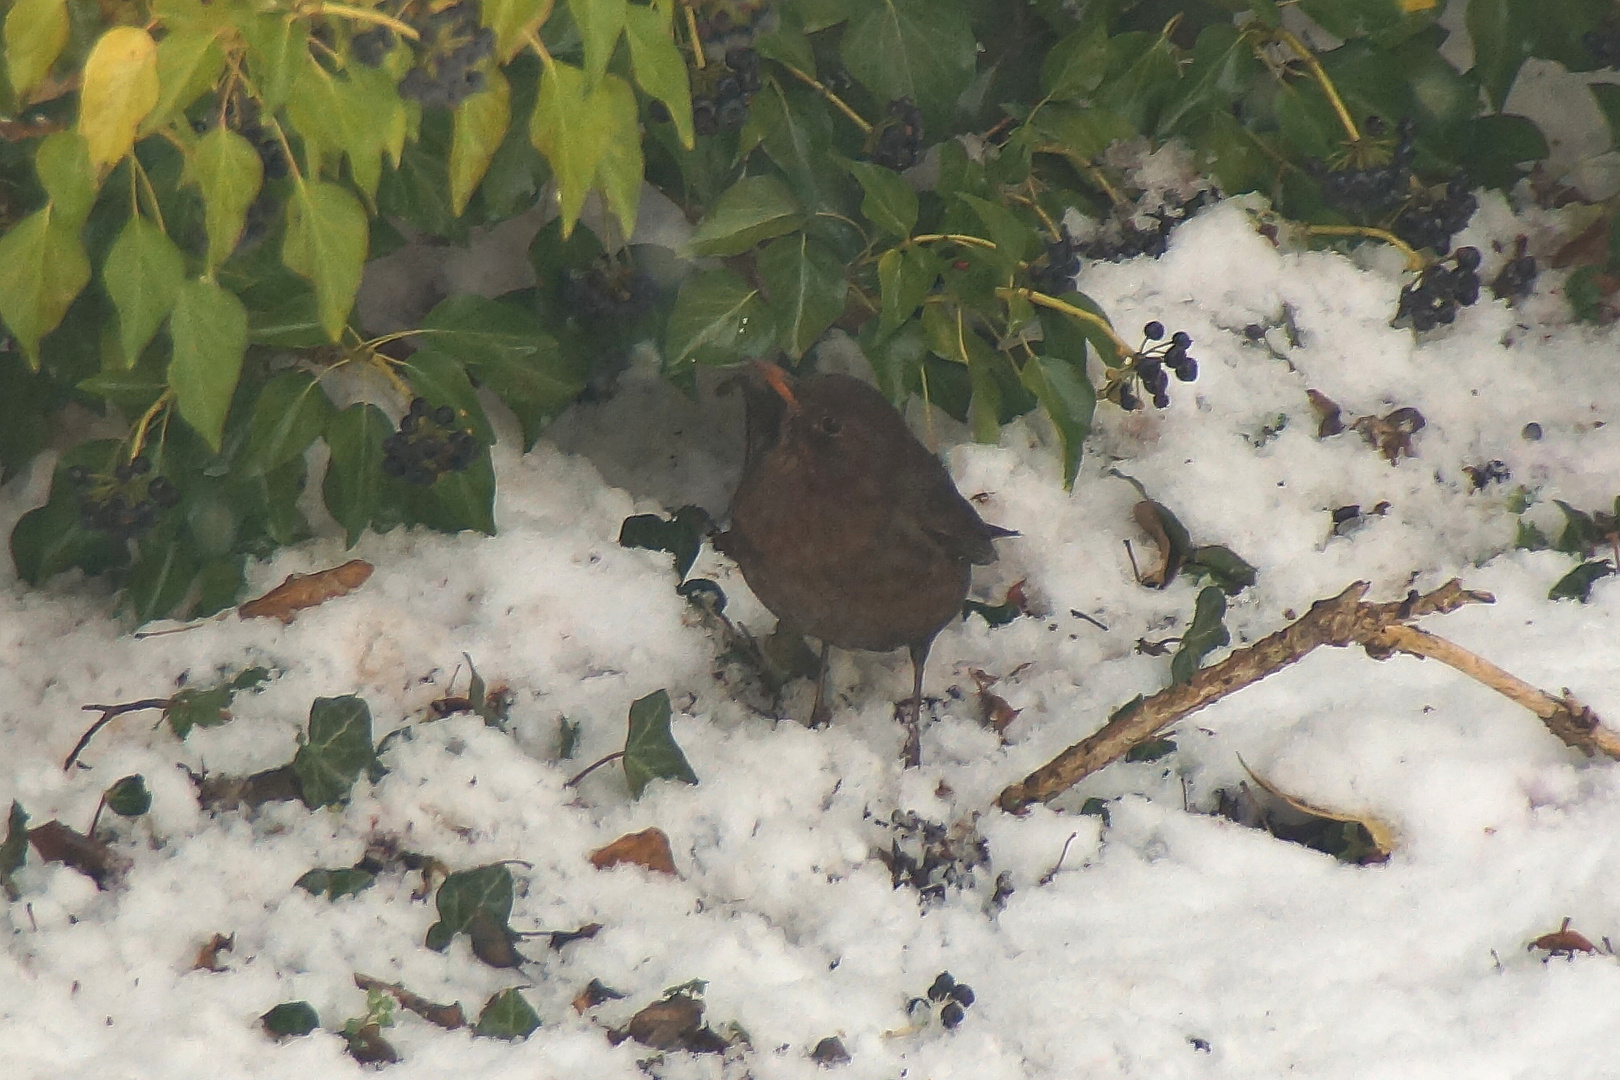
846 527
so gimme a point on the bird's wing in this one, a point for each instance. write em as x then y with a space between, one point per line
949 519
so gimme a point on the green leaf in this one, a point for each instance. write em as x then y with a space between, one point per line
228 172
599 23
63 164
1068 399
1151 750
189 62
1223 66
1139 85
619 173
659 68
512 20
290 1019
457 500
650 752
468 895
905 275
162 575
1011 236
1206 634
1577 584
920 49
807 287
795 131
290 413
277 52
1076 65
337 751
42 268
35 32
443 381
327 236
14 849
333 884
1222 566
503 344
480 126
129 797
717 319
1079 134
118 88
143 274
1357 18
48 540
196 707
681 535
507 1016
1500 45
755 208
890 204
354 475
572 126
209 328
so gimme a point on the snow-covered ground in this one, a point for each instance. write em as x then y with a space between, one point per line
1171 943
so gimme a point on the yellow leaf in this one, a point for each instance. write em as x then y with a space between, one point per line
120 88
36 30
1412 7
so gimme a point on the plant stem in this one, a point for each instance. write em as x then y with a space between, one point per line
367 15
1040 299
837 102
954 238
1322 80
697 43
574 780
1414 261
145 422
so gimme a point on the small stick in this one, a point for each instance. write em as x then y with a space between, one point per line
109 713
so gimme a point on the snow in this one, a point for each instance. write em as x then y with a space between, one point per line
1170 943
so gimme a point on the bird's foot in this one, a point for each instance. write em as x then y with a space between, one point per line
909 713
821 715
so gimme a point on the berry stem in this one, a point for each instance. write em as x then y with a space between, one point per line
145 423
1322 80
367 15
954 238
697 43
1414 261
837 102
1040 299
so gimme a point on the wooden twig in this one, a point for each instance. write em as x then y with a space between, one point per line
109 713
1340 621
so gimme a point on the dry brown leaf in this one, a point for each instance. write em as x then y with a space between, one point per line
1589 248
56 842
1329 417
1563 942
302 591
208 956
648 848
1146 514
595 992
1381 832
1392 433
671 1024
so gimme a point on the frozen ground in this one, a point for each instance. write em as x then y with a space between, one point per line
1172 942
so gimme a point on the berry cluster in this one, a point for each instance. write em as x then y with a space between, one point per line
1129 235
899 139
953 998
725 107
452 45
1151 362
427 445
1433 299
1432 222
125 504
607 293
1374 188
1054 274
1517 278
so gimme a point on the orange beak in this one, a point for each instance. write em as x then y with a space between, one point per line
778 380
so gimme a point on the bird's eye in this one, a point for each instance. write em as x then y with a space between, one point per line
830 425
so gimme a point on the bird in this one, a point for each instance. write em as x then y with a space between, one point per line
846 527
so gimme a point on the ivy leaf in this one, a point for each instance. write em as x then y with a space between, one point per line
1223 566
1011 236
35 32
681 535
755 208
142 275
63 164
1223 65
354 475
505 346
42 268
599 23
480 126
1079 134
1142 80
467 895
290 1020
228 172
291 411
162 574
795 131
129 797
334 884
659 68
1068 399
890 204
920 49
189 62
196 707
571 125
1577 584
119 87
209 328
48 540
277 50
507 1015
717 319
807 286
619 173
336 752
905 275
1206 633
457 500
327 236
650 752
1076 65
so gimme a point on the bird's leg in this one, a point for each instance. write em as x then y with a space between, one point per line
820 714
911 753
